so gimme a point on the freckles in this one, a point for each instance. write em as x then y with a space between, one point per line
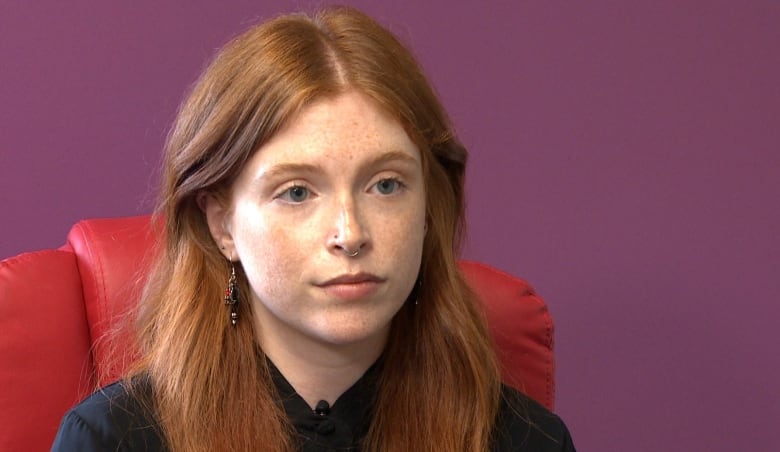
284 250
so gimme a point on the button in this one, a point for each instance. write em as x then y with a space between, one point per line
326 427
322 408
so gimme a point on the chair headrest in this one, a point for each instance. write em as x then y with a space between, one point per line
114 257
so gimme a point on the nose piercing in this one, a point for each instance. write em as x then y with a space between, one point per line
357 251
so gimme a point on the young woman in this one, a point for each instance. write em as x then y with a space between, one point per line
307 296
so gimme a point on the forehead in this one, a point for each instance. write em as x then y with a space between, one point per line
344 127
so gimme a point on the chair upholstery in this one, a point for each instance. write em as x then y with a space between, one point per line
57 305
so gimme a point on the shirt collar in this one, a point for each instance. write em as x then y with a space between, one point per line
346 422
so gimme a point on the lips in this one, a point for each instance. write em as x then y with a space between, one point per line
353 279
352 286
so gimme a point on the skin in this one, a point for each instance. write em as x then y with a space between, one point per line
342 176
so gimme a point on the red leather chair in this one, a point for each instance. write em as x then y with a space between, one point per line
56 305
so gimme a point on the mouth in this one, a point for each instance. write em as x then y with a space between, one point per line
355 278
352 286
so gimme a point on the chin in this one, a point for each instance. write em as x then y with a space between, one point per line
354 335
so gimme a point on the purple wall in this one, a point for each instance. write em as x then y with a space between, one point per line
625 159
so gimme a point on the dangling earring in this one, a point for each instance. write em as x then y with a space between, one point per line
231 294
416 290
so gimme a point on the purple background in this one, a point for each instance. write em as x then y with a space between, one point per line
625 159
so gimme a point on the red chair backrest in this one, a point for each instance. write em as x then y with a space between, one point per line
56 305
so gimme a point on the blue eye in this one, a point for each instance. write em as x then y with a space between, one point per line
295 194
388 186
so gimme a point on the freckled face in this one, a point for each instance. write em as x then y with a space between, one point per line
342 177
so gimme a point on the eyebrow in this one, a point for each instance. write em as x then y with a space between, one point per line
392 156
284 168
385 157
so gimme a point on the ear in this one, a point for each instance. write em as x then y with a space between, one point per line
218 218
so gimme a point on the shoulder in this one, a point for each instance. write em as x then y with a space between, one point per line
525 425
113 418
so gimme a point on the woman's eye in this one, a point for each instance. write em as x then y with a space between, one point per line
295 193
388 186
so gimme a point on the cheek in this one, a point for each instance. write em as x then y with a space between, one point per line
401 235
270 252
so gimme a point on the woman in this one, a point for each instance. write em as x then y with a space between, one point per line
313 173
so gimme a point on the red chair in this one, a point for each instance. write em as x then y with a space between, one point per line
56 305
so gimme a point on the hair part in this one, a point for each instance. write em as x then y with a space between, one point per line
211 384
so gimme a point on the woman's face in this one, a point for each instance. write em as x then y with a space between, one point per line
341 177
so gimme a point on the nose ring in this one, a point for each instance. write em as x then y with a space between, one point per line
357 251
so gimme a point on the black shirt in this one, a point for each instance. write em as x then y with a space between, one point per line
112 420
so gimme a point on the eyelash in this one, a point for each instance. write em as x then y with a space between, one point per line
296 185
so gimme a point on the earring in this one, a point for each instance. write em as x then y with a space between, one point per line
231 295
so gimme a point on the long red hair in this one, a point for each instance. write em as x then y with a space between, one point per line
439 383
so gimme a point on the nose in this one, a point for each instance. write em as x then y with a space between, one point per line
349 234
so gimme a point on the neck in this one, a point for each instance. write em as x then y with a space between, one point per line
316 370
